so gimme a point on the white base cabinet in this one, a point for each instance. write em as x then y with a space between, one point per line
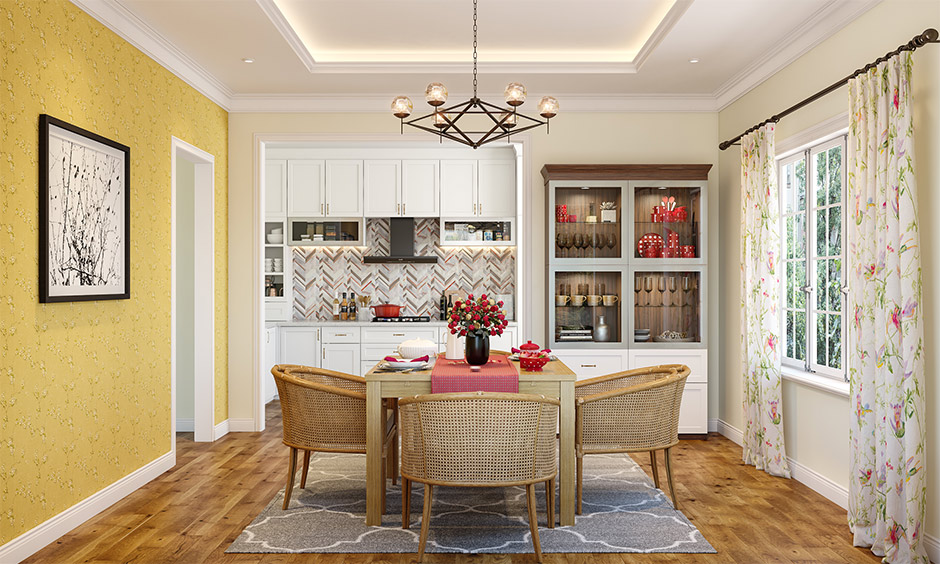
693 414
340 349
590 363
300 345
270 359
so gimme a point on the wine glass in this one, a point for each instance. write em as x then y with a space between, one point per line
686 287
563 244
662 291
676 300
648 287
579 243
611 241
637 287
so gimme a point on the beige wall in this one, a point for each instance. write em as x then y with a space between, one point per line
574 138
816 423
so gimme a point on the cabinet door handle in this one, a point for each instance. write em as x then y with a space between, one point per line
403 209
480 207
323 353
398 334
588 366
340 334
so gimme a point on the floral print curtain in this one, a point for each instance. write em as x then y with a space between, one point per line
760 249
887 490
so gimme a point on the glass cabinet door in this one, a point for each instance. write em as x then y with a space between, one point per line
668 221
588 222
667 306
587 307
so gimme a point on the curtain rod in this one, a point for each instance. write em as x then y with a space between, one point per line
929 36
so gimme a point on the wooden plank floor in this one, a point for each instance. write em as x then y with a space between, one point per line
193 512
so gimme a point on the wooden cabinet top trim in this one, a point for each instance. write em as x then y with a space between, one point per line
625 172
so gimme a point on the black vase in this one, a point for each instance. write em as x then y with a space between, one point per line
477 351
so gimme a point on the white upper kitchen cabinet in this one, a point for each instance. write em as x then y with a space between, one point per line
306 188
458 188
275 188
420 188
382 180
343 188
496 189
406 188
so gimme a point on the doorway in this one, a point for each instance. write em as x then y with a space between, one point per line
193 292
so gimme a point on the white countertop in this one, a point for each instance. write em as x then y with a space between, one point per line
390 324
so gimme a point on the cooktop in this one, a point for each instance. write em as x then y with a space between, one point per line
402 319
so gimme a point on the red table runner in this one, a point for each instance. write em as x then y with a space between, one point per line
497 375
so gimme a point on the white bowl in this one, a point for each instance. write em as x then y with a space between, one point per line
275 238
416 348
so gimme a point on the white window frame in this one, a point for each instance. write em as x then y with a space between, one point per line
809 153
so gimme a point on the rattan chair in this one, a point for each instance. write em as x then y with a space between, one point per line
325 411
633 411
478 439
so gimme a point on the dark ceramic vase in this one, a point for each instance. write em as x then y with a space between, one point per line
477 352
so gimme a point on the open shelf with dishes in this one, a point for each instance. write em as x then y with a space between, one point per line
277 270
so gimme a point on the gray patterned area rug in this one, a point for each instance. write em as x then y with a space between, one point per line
623 512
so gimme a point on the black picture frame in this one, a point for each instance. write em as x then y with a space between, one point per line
84 215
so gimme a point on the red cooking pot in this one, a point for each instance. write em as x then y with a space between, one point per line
387 310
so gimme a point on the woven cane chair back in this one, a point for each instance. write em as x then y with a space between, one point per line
640 411
478 438
322 410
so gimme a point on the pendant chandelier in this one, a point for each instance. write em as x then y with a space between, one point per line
497 122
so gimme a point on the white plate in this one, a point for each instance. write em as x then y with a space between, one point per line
403 365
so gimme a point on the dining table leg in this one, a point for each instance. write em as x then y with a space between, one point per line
566 456
374 441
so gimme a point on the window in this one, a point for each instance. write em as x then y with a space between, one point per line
812 228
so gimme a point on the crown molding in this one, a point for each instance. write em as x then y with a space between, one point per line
135 31
287 31
380 104
822 25
673 16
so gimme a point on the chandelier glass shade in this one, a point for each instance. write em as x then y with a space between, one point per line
474 122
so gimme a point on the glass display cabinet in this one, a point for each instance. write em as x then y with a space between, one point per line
586 307
476 233
588 223
668 309
318 232
277 271
627 272
668 221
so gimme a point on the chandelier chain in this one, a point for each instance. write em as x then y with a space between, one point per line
474 48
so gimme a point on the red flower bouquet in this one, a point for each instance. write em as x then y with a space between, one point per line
480 316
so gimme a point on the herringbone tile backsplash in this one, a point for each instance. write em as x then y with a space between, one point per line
321 271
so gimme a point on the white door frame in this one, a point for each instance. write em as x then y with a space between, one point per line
204 280
523 257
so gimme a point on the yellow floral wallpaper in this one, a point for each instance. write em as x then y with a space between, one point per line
85 386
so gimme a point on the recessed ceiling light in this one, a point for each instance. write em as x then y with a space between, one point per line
248 60
693 60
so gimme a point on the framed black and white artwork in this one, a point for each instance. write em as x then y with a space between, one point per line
84 213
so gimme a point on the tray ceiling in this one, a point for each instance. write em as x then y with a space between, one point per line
366 51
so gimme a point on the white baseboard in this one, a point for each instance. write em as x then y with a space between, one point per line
933 548
220 430
241 425
185 425
731 433
712 425
820 484
38 537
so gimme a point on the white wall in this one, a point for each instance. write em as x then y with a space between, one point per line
816 422
581 138
185 292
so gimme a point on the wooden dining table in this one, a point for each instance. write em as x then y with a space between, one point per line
554 380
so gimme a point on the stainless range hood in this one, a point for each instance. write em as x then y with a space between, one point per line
401 232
